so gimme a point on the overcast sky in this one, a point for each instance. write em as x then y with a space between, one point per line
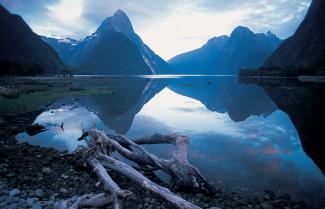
169 27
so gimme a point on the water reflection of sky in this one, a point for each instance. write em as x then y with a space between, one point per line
259 152
73 117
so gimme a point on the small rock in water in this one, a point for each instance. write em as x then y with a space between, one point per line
14 192
39 193
214 208
46 170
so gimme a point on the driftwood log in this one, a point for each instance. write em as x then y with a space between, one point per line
97 156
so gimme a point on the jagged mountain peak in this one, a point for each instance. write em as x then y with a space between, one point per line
119 22
120 12
270 34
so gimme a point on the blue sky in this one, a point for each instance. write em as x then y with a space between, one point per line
169 27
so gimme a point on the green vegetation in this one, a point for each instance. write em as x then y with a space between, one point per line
29 94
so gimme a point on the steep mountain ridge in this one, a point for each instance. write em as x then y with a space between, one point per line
306 48
85 55
22 51
226 55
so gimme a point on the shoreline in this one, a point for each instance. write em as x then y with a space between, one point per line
37 177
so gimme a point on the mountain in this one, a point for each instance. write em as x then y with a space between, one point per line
114 48
63 46
306 48
226 55
202 60
22 51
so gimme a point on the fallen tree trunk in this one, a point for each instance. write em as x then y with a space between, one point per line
109 184
183 174
85 201
145 183
97 157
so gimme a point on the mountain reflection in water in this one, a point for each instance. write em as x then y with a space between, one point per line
241 135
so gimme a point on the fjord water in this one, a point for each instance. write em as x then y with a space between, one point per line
240 135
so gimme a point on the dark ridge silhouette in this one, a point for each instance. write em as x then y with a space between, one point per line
22 51
306 48
301 54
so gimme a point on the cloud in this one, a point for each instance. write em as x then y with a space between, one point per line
64 19
138 11
163 25
31 8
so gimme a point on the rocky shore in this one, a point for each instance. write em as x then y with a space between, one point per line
36 177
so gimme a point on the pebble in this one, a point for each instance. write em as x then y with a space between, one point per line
12 200
30 201
36 206
63 191
39 193
12 206
46 170
2 204
64 176
50 203
14 192
199 196
265 205
282 195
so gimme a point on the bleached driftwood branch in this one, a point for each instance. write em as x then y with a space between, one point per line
97 156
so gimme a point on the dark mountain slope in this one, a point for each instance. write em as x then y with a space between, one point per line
246 49
306 48
22 51
114 54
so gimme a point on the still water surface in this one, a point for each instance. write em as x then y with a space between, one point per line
239 136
